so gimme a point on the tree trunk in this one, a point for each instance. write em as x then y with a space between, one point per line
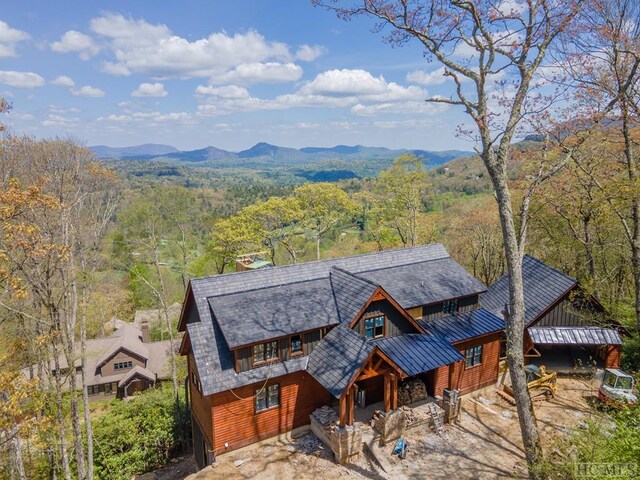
16 454
317 247
64 454
85 392
515 320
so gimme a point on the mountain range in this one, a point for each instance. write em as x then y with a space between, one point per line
263 155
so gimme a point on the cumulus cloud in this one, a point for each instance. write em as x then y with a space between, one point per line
87 91
9 37
21 79
227 91
270 72
427 78
148 118
308 53
144 48
150 90
398 107
345 82
74 41
63 81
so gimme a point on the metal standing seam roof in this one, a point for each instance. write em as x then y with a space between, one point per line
574 336
543 286
462 326
335 360
417 353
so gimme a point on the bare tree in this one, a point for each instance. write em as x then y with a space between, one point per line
506 40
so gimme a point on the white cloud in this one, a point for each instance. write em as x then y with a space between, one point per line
74 41
345 82
63 81
149 118
150 90
398 107
55 120
21 79
427 78
87 91
308 53
270 72
9 37
228 91
140 47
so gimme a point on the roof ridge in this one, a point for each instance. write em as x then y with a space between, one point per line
327 260
355 275
254 289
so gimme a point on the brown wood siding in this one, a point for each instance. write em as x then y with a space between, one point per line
108 368
473 378
415 312
236 422
612 356
311 339
200 405
395 323
243 359
565 315
478 376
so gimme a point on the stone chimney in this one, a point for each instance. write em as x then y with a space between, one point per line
144 328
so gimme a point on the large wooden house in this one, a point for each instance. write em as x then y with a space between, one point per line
267 347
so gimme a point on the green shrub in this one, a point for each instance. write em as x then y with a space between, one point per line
139 435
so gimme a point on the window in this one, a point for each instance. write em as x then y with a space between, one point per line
296 345
107 388
268 397
122 365
265 352
450 306
473 356
374 326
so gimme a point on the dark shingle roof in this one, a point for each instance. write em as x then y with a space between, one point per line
350 292
424 282
543 286
335 360
250 317
214 360
462 326
418 353
574 336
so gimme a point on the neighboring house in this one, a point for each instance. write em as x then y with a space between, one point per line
125 362
267 347
566 329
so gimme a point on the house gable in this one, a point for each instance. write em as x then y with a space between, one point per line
396 320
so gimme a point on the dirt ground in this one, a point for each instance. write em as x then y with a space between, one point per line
484 445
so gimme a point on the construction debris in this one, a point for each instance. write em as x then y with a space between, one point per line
325 416
411 391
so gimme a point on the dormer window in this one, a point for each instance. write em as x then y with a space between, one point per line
450 306
123 365
296 345
265 352
374 326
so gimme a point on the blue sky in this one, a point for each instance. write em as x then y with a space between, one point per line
227 74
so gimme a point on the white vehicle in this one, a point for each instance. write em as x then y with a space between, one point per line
617 387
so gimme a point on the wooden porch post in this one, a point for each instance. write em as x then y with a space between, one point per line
343 410
350 405
452 370
387 392
394 391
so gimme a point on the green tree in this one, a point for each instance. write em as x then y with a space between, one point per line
232 236
322 207
403 186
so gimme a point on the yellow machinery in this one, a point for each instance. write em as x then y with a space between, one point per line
541 385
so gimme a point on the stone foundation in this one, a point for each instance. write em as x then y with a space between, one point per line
451 410
390 425
346 443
